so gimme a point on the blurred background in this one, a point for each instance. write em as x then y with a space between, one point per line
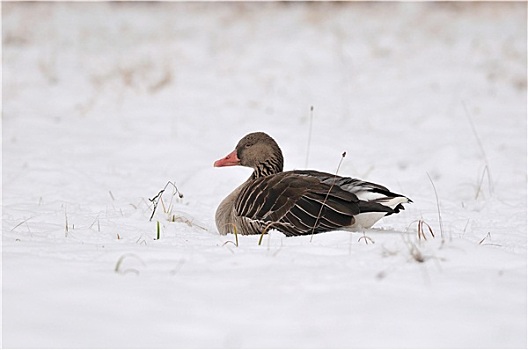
105 102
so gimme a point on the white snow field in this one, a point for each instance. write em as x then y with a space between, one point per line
104 103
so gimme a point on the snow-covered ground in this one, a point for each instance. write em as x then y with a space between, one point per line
104 103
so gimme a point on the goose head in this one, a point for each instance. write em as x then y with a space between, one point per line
258 151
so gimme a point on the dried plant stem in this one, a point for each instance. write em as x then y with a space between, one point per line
66 223
21 223
309 137
327 194
366 239
264 232
236 236
482 151
438 209
421 232
157 198
483 239
121 271
158 230
479 187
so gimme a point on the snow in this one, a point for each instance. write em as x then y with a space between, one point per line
104 103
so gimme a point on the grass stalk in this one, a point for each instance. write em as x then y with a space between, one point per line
236 235
366 238
309 137
155 200
421 232
66 223
118 269
21 223
327 194
482 151
438 209
479 187
264 232
235 232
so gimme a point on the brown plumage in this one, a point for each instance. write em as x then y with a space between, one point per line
298 202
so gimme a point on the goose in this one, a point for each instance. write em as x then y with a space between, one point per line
297 202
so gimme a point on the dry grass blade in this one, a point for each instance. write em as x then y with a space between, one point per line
327 194
366 239
21 223
309 137
98 224
66 223
481 182
236 236
118 269
483 239
488 236
438 209
421 233
264 232
420 230
158 230
482 151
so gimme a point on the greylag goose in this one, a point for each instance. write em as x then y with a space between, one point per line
298 202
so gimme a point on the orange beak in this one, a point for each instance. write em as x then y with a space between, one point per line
229 160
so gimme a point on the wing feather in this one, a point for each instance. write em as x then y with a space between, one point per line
305 202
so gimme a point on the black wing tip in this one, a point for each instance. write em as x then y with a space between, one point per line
399 207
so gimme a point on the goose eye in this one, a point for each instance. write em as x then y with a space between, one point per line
247 145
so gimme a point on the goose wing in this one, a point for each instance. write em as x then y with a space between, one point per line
297 203
372 197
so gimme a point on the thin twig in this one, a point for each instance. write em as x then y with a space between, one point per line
156 199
